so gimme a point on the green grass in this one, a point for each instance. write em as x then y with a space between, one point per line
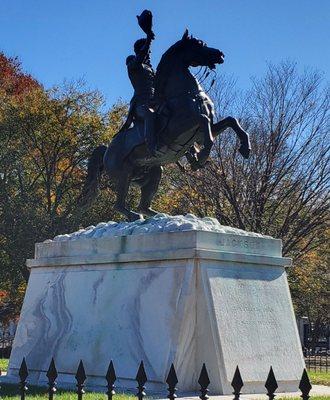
3 364
299 398
319 378
10 392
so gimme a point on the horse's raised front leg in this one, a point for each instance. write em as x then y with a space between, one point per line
205 127
243 136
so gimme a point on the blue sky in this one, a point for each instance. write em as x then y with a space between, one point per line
72 39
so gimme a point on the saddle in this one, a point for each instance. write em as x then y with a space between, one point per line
128 139
161 120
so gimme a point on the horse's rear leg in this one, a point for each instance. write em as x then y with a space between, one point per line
122 186
148 190
243 136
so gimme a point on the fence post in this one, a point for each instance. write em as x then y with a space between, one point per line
171 381
204 382
23 374
51 375
141 379
237 384
80 378
271 384
305 385
326 362
111 378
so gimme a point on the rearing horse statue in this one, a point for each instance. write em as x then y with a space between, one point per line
184 118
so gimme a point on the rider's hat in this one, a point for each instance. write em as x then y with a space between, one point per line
145 22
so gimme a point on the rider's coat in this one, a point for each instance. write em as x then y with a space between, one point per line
142 77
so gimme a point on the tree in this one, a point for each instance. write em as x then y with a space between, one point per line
47 137
13 80
283 189
309 284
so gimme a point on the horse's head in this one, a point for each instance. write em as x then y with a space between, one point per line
197 53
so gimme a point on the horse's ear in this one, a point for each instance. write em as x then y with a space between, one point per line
185 36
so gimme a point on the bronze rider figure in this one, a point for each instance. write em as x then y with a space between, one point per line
142 76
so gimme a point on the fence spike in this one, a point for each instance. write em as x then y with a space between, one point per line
171 381
111 378
237 383
305 385
271 384
51 375
204 382
141 378
80 378
23 374
23 371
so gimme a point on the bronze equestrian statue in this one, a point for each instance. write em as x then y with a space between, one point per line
181 116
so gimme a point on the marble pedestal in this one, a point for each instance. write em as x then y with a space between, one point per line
188 297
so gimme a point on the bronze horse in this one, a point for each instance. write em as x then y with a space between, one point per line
184 118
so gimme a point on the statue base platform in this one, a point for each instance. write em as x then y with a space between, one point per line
184 297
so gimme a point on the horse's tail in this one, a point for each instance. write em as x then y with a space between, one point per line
94 171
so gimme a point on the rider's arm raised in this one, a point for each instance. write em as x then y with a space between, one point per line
143 53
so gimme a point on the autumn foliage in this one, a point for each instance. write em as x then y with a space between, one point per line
46 138
13 81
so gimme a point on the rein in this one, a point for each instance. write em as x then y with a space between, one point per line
205 74
192 93
214 72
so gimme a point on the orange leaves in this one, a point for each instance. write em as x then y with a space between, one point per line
3 294
13 81
4 297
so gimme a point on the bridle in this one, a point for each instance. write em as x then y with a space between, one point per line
201 77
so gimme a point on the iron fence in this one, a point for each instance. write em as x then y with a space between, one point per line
317 360
6 343
141 378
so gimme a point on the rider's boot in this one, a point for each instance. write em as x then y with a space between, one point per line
149 131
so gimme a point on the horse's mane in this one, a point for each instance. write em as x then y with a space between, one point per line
165 61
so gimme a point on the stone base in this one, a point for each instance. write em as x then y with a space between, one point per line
189 298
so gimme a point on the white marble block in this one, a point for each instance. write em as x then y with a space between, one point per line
214 296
